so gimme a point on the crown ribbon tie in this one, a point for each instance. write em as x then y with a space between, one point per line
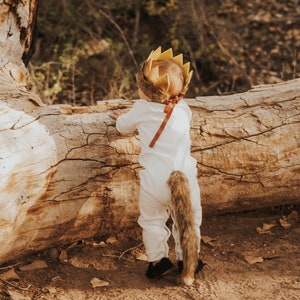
168 110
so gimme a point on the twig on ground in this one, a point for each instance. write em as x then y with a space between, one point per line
115 256
10 266
123 253
16 286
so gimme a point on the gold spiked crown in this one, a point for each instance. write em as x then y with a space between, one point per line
148 76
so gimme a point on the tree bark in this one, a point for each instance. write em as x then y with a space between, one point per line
17 30
67 174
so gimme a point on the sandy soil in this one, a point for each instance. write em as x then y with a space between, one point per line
245 260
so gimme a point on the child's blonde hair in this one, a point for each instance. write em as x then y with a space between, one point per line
163 77
172 84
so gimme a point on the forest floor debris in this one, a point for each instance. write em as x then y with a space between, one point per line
241 263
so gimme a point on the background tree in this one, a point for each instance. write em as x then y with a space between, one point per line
232 45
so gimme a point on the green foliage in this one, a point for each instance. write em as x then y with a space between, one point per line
162 8
89 50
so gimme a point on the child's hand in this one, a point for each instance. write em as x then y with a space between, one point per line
116 113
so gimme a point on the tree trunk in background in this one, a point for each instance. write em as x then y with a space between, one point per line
66 174
17 29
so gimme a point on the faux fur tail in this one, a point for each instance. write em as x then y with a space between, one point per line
184 220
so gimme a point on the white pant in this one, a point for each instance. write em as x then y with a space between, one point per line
154 205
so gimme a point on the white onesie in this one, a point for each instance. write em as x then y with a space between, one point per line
171 152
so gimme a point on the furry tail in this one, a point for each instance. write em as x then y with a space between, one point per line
184 220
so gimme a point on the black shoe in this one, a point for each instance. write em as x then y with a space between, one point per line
160 269
200 266
180 266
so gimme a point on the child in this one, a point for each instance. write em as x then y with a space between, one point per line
163 123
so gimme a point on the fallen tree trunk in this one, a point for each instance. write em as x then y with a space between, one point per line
67 174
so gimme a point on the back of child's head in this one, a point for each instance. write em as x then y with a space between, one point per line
171 77
163 77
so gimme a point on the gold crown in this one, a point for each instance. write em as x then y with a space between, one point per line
148 74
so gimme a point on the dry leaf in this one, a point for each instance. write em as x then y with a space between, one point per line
141 256
268 226
78 262
17 295
265 229
36 265
253 259
208 240
95 282
10 275
289 220
284 223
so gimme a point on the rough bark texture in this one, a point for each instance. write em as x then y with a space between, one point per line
17 29
66 174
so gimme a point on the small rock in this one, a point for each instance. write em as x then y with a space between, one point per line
99 245
63 257
53 254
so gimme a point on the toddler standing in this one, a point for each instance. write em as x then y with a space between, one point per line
163 123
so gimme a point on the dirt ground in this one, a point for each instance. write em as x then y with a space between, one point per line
250 255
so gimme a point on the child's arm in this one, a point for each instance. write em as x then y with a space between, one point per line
126 120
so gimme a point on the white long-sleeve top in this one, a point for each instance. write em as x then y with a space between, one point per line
172 149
